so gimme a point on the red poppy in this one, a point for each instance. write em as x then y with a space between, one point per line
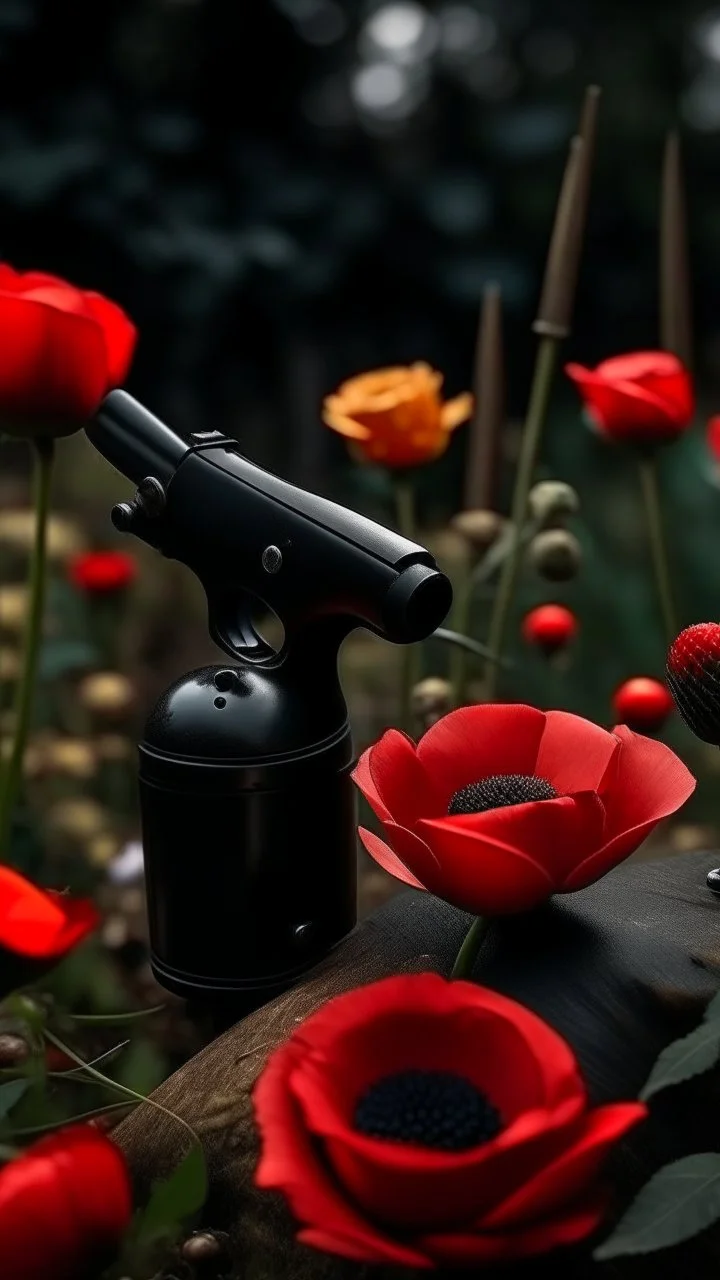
103 571
63 350
498 807
40 924
423 1123
550 627
643 703
643 398
693 673
64 1206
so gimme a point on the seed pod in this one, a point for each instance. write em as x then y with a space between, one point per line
431 697
71 757
107 693
13 608
556 554
77 819
14 1051
479 529
553 501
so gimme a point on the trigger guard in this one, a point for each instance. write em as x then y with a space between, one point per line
231 627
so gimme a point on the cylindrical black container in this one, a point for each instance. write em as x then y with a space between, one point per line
248 833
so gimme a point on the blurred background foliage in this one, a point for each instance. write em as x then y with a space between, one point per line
284 194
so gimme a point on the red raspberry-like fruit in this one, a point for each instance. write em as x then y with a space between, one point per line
693 674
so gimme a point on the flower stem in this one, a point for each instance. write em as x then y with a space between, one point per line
469 951
461 625
406 522
532 435
647 463
12 774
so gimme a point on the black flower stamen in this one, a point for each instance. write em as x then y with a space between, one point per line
429 1108
500 790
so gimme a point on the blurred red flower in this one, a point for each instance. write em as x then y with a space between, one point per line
103 571
713 438
63 350
643 703
498 807
645 397
65 1204
424 1123
38 923
550 627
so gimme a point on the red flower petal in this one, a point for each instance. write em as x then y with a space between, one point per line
37 924
289 1163
512 859
557 1183
625 408
385 858
574 753
645 782
459 1249
61 1202
657 371
400 781
54 362
477 742
363 780
120 336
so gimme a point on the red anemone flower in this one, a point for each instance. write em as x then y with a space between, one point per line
64 1206
102 572
424 1123
38 923
645 397
498 807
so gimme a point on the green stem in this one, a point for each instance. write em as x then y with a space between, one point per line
119 1088
406 522
12 775
532 435
468 953
647 463
461 624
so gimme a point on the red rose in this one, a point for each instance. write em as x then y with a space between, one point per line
64 1206
427 1123
63 350
644 398
103 571
498 807
39 924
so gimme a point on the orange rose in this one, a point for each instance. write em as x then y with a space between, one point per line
396 416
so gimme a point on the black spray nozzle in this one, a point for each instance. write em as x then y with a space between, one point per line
251 537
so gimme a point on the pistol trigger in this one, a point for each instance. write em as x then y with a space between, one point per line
232 627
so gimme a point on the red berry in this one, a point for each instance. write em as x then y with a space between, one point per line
642 703
550 627
693 673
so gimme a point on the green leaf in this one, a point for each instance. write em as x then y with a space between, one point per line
10 1093
179 1197
679 1202
712 1011
62 657
685 1058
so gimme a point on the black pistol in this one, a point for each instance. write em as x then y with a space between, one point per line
247 805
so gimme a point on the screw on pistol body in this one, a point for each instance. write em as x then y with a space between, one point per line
272 559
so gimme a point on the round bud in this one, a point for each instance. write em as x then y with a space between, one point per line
555 554
431 697
201 1248
14 1051
13 608
550 627
552 501
693 674
107 693
642 704
70 757
479 529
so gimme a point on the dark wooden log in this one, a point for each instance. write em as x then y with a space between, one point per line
620 970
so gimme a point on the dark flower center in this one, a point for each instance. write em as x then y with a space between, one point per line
499 791
430 1108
